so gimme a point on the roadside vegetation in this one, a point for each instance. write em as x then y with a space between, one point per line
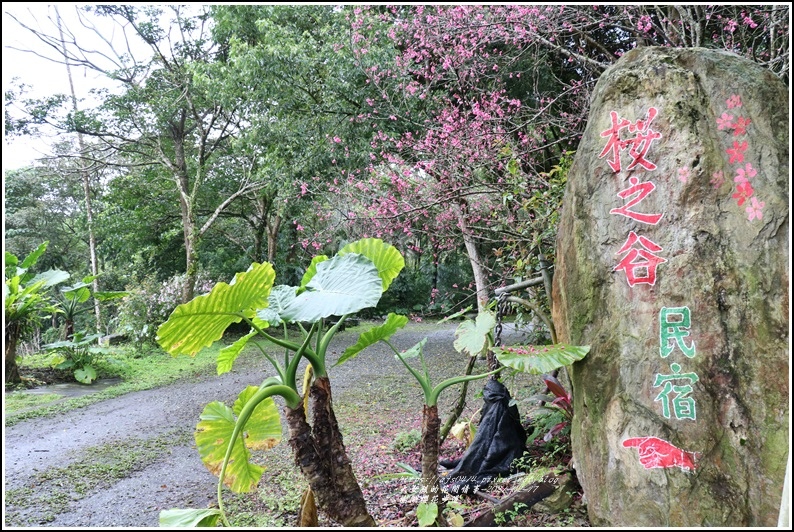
139 368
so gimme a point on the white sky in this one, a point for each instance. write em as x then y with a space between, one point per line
44 78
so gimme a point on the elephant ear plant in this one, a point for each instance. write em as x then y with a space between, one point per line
474 339
353 280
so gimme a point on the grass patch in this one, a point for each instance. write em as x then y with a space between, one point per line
17 401
276 500
51 492
140 369
36 360
407 440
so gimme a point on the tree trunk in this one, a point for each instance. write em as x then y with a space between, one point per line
189 230
258 222
431 424
434 286
89 212
191 268
480 275
12 334
272 237
320 454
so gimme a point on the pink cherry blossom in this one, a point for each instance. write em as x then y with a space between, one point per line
743 175
683 174
754 210
740 127
717 179
743 192
725 121
734 101
737 152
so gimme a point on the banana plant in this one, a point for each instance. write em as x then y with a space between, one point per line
27 302
73 297
353 280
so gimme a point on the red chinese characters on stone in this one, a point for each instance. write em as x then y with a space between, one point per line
614 144
639 261
657 453
638 145
639 191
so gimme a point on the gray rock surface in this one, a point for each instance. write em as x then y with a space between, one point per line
672 264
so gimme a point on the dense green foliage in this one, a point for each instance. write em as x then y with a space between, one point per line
27 301
251 133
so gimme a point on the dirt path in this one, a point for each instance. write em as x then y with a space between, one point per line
119 462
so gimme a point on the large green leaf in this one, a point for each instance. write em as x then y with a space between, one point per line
79 294
50 278
278 299
263 429
229 354
414 351
386 258
373 336
472 336
32 257
202 321
540 359
343 285
311 271
11 260
107 295
215 430
213 433
189 517
79 291
426 513
86 374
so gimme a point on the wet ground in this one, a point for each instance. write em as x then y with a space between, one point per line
73 389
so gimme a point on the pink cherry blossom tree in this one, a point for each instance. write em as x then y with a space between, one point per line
472 107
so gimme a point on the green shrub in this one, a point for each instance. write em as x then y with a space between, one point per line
405 441
150 304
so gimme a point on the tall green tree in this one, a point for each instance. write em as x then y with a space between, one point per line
85 177
164 115
298 67
42 203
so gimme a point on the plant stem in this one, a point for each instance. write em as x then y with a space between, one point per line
431 424
292 399
459 406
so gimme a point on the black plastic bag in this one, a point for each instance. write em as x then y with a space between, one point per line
500 439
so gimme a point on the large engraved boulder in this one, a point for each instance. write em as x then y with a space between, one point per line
672 264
